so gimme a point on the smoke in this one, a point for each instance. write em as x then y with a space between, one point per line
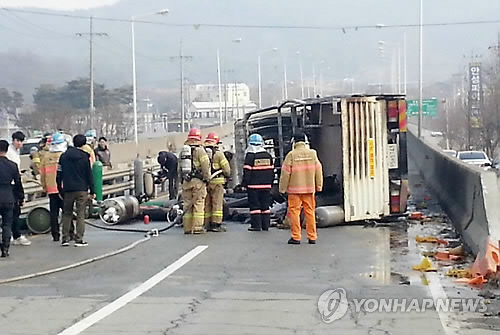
58 4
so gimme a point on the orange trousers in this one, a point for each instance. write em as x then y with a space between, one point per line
295 203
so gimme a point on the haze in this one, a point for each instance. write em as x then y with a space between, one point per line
37 49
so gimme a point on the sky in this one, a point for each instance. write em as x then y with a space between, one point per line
57 4
61 55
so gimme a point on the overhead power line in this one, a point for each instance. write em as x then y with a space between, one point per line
256 26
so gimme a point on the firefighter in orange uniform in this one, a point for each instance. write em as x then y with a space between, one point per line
220 170
195 170
301 178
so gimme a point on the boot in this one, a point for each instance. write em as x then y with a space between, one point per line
216 228
5 251
266 221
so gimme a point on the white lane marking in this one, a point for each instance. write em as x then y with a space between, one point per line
438 293
107 310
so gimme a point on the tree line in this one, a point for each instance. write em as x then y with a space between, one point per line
67 108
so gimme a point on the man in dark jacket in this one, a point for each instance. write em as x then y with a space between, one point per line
102 152
74 180
11 193
169 163
258 177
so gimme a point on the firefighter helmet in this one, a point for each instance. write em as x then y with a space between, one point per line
194 134
212 139
256 139
58 138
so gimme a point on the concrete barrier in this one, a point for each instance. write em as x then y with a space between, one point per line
469 195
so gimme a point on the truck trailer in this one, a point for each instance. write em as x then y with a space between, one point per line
361 142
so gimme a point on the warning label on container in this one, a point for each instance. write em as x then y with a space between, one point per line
371 156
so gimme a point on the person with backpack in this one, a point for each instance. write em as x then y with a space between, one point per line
195 170
220 170
258 178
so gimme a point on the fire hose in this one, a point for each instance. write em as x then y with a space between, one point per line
173 218
75 265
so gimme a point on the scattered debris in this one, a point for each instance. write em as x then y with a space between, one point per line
416 216
459 273
429 253
487 294
477 281
425 266
431 239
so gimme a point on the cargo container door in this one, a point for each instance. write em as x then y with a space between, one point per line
365 169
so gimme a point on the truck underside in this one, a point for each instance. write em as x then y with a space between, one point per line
353 137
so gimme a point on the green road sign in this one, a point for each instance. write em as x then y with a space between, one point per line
429 108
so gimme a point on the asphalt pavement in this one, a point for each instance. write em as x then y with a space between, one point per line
237 282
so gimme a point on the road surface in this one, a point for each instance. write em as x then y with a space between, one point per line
232 283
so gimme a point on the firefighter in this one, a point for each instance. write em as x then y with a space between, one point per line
301 178
220 170
258 177
195 170
35 162
48 179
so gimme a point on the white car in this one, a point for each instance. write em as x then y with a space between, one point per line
437 134
477 158
452 153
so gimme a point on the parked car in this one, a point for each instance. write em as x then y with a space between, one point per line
452 153
437 134
477 158
30 143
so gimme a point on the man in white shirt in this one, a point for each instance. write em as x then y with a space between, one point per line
14 155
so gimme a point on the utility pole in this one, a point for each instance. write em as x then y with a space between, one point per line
220 88
405 72
91 35
182 58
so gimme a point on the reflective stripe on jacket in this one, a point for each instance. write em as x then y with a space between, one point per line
48 171
220 163
301 172
258 170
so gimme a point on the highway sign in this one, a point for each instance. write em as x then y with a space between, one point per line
430 107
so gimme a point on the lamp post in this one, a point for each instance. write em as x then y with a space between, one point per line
421 69
285 75
134 73
301 75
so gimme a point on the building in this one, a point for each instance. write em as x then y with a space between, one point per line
234 103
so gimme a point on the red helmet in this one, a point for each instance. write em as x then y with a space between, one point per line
194 134
212 138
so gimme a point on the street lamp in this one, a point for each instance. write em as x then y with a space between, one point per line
301 75
134 74
285 94
421 69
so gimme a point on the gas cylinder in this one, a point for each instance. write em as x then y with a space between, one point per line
329 216
119 210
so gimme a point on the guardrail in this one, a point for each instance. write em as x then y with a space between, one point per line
116 182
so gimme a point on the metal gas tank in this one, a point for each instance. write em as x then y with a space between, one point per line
329 216
119 210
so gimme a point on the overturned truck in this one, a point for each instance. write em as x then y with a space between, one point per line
361 142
